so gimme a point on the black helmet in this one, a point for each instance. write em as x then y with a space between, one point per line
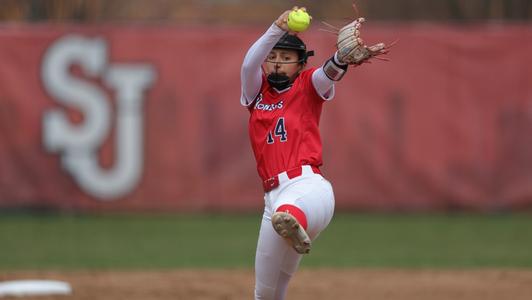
292 42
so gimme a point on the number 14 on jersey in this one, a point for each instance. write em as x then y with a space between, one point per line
278 132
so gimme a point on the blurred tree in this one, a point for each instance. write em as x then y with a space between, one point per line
260 11
13 10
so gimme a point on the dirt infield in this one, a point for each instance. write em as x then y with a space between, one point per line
309 284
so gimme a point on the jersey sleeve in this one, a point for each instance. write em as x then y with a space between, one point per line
264 86
307 80
322 84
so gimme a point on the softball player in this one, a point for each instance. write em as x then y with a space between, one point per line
285 103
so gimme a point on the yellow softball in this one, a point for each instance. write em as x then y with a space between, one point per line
298 20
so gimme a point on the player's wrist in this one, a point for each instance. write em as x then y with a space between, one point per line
337 60
278 27
334 69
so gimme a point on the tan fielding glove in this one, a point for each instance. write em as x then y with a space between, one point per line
351 48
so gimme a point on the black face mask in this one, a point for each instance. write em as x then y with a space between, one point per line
279 81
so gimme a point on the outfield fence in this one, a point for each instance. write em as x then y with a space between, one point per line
147 117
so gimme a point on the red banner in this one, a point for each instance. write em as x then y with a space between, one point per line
126 118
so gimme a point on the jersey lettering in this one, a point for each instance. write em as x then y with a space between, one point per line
279 131
267 107
270 138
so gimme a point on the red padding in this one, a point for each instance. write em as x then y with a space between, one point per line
296 212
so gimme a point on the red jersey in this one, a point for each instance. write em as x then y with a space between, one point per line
283 127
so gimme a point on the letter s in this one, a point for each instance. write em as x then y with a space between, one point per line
91 55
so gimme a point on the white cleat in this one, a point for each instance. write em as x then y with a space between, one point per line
288 227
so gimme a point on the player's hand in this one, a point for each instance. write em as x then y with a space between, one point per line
282 21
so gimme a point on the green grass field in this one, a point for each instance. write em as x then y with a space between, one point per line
32 242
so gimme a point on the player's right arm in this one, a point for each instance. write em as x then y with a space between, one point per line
251 72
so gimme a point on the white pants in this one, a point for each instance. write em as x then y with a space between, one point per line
276 261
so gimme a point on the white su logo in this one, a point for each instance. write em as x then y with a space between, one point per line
78 144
